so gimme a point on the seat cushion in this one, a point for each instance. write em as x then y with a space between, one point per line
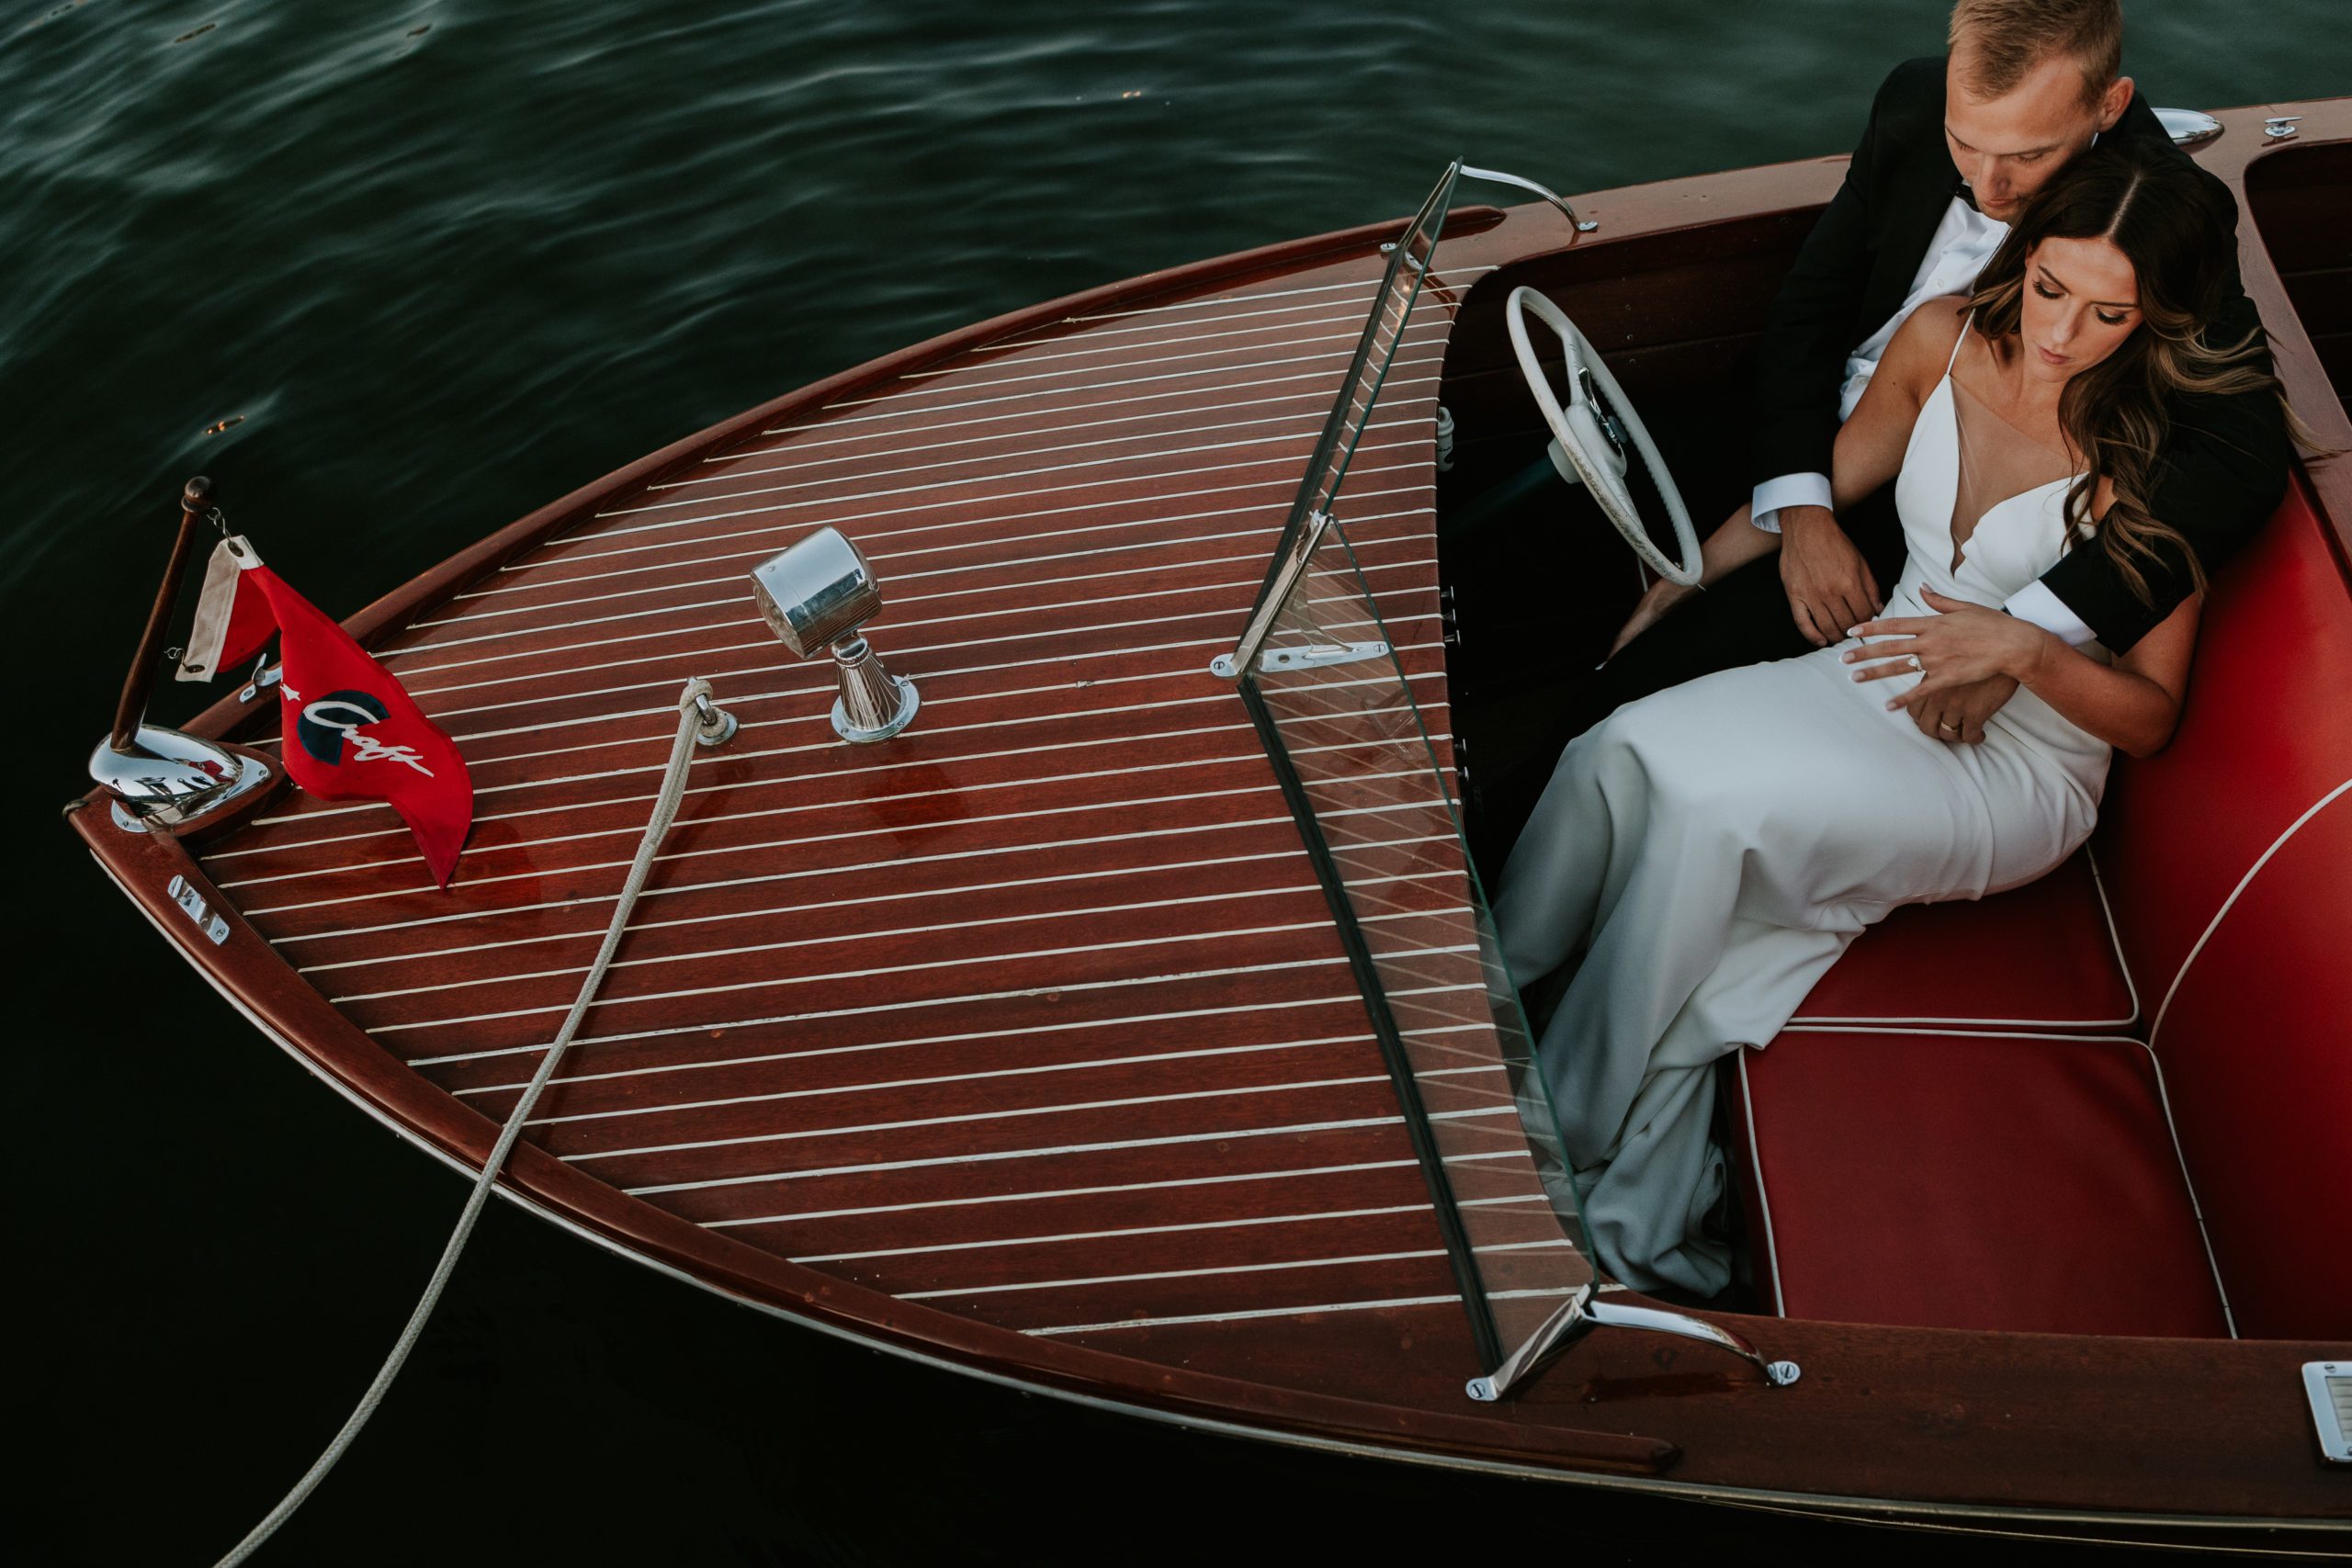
1954 1179
2256 1047
2040 956
2266 732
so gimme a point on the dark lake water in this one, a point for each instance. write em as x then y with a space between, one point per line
443 262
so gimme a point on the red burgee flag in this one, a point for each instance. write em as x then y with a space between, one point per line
351 731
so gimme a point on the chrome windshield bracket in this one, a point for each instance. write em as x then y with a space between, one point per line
1582 225
1583 1312
1233 666
1301 658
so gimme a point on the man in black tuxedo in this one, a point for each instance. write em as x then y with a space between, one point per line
1954 147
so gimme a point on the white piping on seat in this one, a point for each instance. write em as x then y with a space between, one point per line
1977 1024
2156 1027
1748 1105
1763 1200
2227 903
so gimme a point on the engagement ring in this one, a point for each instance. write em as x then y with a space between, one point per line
1914 661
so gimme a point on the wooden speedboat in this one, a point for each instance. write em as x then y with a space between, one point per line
1125 1034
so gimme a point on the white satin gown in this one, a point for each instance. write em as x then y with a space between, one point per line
1708 852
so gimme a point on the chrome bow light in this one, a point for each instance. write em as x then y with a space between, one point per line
818 593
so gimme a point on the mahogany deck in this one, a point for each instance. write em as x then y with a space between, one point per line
1035 1012
1169 1135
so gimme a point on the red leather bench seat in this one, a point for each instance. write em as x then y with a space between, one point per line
1970 1180
1973 1174
2040 956
2255 1040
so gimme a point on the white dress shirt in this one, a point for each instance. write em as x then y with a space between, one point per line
1963 241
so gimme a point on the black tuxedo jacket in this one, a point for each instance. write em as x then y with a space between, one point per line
2225 468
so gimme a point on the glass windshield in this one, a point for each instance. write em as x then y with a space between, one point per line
1333 696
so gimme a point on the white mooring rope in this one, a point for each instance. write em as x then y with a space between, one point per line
691 720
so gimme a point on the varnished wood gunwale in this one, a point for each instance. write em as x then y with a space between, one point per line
1971 1452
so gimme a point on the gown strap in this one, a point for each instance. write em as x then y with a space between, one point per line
1954 357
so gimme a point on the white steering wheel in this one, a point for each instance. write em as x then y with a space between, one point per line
1588 446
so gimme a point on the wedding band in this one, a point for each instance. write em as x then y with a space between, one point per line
1914 661
1948 724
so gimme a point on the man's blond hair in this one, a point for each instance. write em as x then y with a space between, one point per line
1998 42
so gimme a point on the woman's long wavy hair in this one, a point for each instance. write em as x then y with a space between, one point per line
2154 206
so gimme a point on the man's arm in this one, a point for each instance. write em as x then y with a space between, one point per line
2222 474
1810 329
1802 359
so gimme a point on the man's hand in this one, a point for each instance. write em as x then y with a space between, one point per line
1829 584
1957 713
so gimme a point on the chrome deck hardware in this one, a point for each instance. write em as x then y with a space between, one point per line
1584 1312
164 781
2189 127
2279 127
818 592
1581 225
1235 665
2328 1386
713 725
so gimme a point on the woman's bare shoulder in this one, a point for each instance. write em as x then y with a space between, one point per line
1923 345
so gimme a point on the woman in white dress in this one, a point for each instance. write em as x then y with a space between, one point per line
1704 854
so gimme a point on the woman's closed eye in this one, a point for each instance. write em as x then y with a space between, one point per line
2049 293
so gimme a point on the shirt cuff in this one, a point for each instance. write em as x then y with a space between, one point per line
2036 603
1789 490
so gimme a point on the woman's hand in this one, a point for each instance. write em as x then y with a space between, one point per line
1960 645
1662 595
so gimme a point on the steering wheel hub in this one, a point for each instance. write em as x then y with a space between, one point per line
1591 434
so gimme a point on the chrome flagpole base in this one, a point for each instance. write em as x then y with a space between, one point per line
875 705
177 784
